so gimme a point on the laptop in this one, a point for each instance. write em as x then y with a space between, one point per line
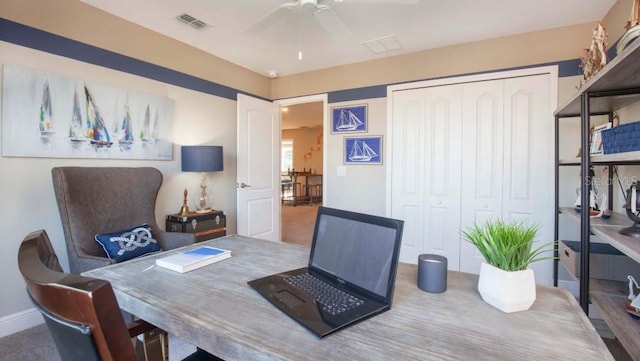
350 276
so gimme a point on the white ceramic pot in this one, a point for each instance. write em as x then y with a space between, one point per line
507 291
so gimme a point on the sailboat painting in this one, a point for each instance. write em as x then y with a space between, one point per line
349 119
51 115
363 150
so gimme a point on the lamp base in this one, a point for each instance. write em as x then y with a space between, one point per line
204 210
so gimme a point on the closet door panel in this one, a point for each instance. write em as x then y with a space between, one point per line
482 162
407 180
528 188
426 171
443 158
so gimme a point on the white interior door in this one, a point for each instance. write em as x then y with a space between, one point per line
258 167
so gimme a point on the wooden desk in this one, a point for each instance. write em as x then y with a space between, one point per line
215 309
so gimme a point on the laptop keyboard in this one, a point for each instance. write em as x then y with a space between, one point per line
330 298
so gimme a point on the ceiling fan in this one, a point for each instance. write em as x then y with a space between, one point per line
330 22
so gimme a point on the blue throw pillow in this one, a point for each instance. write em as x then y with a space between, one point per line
129 243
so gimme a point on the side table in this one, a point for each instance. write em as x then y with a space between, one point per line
204 225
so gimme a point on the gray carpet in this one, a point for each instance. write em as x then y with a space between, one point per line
35 344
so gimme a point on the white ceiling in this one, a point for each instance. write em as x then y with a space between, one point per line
334 37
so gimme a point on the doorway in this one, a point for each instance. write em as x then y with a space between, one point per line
302 166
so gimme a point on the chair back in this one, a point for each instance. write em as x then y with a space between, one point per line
99 200
81 313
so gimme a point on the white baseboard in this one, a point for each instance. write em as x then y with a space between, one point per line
19 321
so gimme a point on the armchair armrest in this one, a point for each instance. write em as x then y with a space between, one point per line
85 262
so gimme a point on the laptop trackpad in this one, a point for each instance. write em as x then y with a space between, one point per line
288 298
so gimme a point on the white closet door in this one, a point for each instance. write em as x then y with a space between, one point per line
407 188
482 161
426 171
465 153
528 138
507 162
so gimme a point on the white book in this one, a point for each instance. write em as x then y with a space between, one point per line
194 258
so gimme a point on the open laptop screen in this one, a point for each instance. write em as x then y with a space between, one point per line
357 248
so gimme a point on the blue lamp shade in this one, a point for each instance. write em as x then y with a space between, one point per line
202 158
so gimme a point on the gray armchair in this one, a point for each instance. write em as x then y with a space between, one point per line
99 200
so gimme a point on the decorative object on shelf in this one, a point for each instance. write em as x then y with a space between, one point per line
632 207
633 28
350 119
595 57
632 303
202 158
594 210
506 282
596 140
621 139
184 210
363 150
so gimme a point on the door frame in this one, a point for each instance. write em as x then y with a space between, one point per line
325 129
552 70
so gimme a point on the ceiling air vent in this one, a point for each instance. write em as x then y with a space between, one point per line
381 45
190 20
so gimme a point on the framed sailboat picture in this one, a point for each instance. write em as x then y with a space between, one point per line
363 150
50 115
349 119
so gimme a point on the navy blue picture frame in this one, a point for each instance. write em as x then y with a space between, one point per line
349 119
363 150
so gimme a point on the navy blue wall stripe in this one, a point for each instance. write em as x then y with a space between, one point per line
27 36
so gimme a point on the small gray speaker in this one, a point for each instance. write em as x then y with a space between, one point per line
432 273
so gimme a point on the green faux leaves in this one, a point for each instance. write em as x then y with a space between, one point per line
506 245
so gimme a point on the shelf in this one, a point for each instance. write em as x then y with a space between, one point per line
625 244
607 230
626 329
621 74
613 159
616 220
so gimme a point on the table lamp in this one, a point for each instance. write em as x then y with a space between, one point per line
202 158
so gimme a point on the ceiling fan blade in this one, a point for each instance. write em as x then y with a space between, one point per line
272 17
334 27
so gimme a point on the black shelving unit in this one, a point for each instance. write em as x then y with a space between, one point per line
614 87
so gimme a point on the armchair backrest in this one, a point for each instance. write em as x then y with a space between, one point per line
81 313
99 200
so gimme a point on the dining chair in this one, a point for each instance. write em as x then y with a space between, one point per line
81 313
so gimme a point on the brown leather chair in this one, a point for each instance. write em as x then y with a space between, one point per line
100 200
81 313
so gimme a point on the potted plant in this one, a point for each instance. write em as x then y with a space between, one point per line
505 280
